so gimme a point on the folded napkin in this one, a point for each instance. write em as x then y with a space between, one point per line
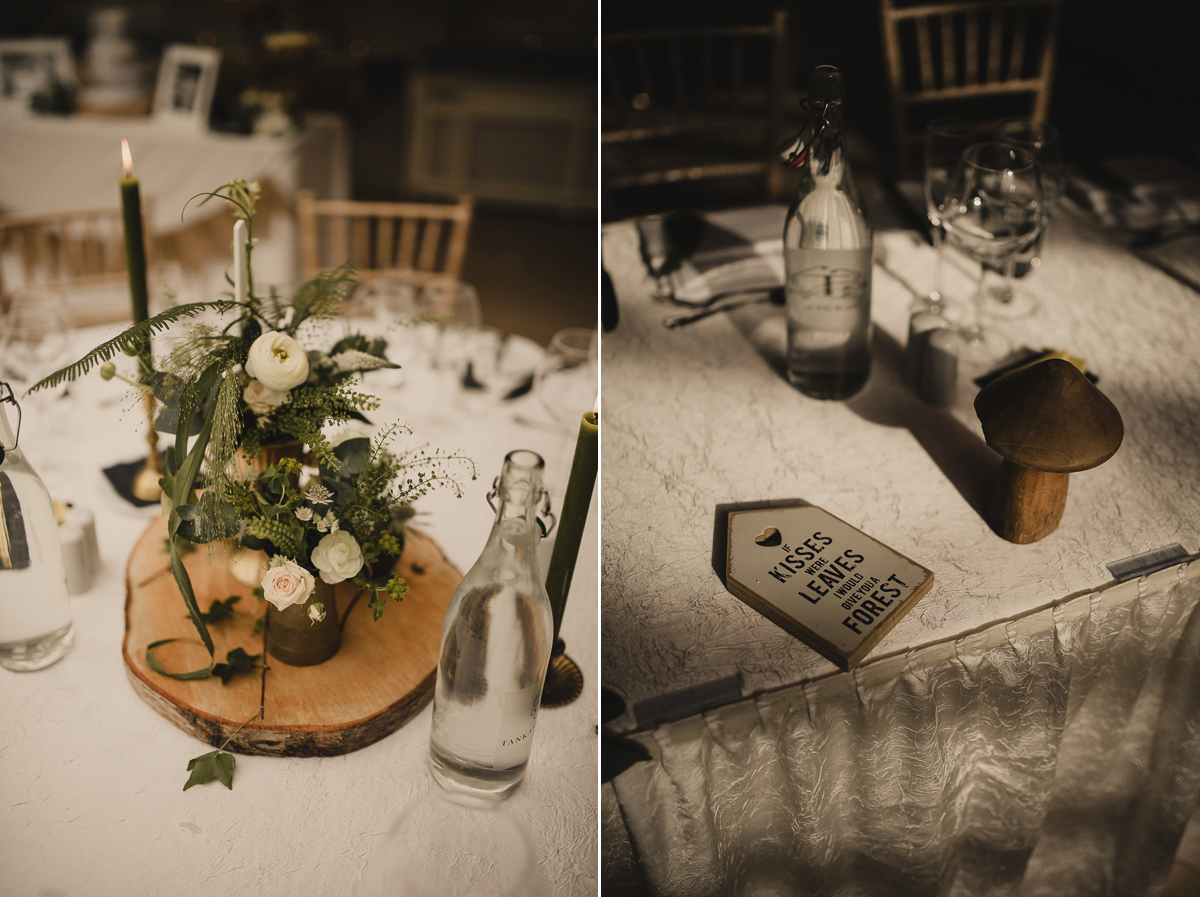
697 256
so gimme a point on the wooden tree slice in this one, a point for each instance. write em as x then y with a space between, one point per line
379 679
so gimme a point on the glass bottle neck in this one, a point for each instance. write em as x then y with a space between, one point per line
519 492
8 437
826 162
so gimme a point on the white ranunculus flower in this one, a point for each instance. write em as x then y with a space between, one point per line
286 583
337 556
261 399
278 361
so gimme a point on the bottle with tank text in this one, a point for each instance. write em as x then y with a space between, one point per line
35 614
827 255
495 648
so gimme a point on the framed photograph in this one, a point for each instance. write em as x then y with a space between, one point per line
32 66
187 78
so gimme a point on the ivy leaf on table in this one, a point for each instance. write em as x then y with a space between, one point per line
215 766
236 661
220 610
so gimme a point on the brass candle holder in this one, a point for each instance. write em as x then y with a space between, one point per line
145 485
564 679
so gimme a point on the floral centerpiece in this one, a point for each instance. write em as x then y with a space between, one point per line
251 401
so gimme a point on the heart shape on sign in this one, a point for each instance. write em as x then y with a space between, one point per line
769 537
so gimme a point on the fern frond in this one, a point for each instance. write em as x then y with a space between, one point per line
129 340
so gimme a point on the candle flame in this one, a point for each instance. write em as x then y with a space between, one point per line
596 406
126 158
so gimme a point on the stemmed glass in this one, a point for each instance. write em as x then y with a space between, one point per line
993 209
35 335
451 311
565 384
1042 141
946 139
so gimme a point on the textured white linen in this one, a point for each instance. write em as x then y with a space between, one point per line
91 799
1057 753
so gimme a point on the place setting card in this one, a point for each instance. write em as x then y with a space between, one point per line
820 579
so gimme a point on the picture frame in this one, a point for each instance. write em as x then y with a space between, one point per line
187 78
29 66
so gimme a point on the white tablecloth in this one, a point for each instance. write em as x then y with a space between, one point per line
699 417
92 776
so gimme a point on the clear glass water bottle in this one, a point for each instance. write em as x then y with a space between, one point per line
496 643
827 254
35 614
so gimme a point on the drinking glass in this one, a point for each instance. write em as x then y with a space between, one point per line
565 384
565 380
1040 139
449 312
946 139
392 299
448 843
35 335
993 208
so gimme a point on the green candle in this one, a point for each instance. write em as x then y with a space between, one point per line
135 247
574 516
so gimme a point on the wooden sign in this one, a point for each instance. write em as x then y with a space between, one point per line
827 583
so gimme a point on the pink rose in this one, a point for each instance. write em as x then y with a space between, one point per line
286 583
261 399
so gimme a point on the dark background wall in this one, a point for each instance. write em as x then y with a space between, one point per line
1127 77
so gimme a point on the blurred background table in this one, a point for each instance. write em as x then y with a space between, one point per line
93 775
701 417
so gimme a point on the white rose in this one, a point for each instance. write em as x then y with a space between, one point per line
261 399
278 361
286 583
337 556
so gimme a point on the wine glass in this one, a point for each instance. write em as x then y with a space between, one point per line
946 139
1040 139
35 335
565 384
565 380
391 297
993 208
449 313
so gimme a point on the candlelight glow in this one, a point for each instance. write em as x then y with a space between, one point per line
126 158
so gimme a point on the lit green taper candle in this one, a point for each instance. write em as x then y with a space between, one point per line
135 247
574 516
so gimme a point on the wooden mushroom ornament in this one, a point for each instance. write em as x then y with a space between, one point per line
1046 421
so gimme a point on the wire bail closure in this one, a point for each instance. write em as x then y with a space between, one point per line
544 515
7 395
794 151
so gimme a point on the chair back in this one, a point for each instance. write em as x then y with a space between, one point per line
428 239
62 249
940 54
700 85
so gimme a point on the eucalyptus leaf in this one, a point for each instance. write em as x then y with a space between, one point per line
354 455
215 766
